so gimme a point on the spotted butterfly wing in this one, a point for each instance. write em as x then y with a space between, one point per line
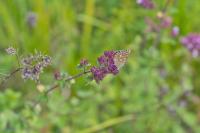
121 57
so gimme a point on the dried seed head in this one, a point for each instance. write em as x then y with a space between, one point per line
33 65
11 51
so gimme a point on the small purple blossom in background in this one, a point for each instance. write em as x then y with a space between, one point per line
166 22
175 31
33 65
148 4
11 51
31 19
192 43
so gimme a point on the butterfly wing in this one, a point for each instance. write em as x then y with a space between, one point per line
121 57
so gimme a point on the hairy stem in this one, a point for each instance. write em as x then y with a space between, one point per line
159 33
68 79
10 75
18 60
166 5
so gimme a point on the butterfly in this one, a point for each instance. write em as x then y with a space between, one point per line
120 57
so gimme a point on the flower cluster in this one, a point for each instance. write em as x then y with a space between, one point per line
106 66
33 65
192 43
148 4
154 26
11 51
162 22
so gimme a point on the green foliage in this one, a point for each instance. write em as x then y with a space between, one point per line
69 30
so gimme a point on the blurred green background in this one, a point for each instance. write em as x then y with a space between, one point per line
157 91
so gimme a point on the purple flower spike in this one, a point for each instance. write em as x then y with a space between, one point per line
192 43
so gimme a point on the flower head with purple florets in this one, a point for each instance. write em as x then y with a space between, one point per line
106 66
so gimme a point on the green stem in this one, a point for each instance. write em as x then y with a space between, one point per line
119 101
109 123
18 60
87 29
9 76
68 79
